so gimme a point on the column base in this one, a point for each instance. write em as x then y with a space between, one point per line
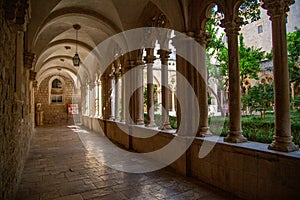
117 119
283 144
140 122
165 127
203 132
151 124
235 137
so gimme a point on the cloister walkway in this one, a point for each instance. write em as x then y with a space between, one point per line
59 167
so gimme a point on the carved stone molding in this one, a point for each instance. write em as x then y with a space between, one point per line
10 9
164 55
202 37
232 26
149 58
32 75
28 60
277 7
16 11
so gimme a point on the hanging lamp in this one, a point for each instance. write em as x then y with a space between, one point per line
76 59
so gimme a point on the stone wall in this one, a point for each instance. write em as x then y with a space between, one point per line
55 113
15 110
248 170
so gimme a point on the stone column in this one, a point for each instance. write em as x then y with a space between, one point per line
117 95
201 85
83 97
97 98
111 94
92 99
128 107
164 56
232 27
277 10
139 92
87 100
123 95
149 59
173 100
100 105
104 96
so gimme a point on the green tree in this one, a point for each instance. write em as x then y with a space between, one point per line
260 98
249 61
293 45
216 48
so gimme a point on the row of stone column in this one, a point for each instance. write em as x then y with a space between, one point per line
282 139
109 97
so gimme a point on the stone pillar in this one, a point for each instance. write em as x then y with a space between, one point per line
92 99
173 100
97 85
128 107
164 56
87 100
139 93
277 10
149 59
122 95
104 96
232 27
83 102
110 96
117 95
100 99
201 85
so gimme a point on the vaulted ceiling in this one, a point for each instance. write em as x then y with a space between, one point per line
51 35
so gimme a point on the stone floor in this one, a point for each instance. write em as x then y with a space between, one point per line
60 167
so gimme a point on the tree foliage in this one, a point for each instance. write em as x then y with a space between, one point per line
293 45
249 11
249 60
260 98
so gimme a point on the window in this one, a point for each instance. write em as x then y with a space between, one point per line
56 91
56 83
56 98
259 29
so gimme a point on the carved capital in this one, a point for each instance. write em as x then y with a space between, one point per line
202 37
22 12
232 26
35 84
160 21
32 75
164 55
16 11
150 58
92 85
10 9
28 60
277 8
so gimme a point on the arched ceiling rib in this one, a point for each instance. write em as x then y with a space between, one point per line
52 38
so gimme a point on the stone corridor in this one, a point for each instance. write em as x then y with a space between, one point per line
59 167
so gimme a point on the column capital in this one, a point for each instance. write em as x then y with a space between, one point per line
202 37
28 60
149 58
32 75
164 54
232 26
91 85
277 8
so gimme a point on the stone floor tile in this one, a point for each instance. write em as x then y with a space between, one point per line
70 197
59 166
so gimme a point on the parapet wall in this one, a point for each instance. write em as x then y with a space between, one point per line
248 170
